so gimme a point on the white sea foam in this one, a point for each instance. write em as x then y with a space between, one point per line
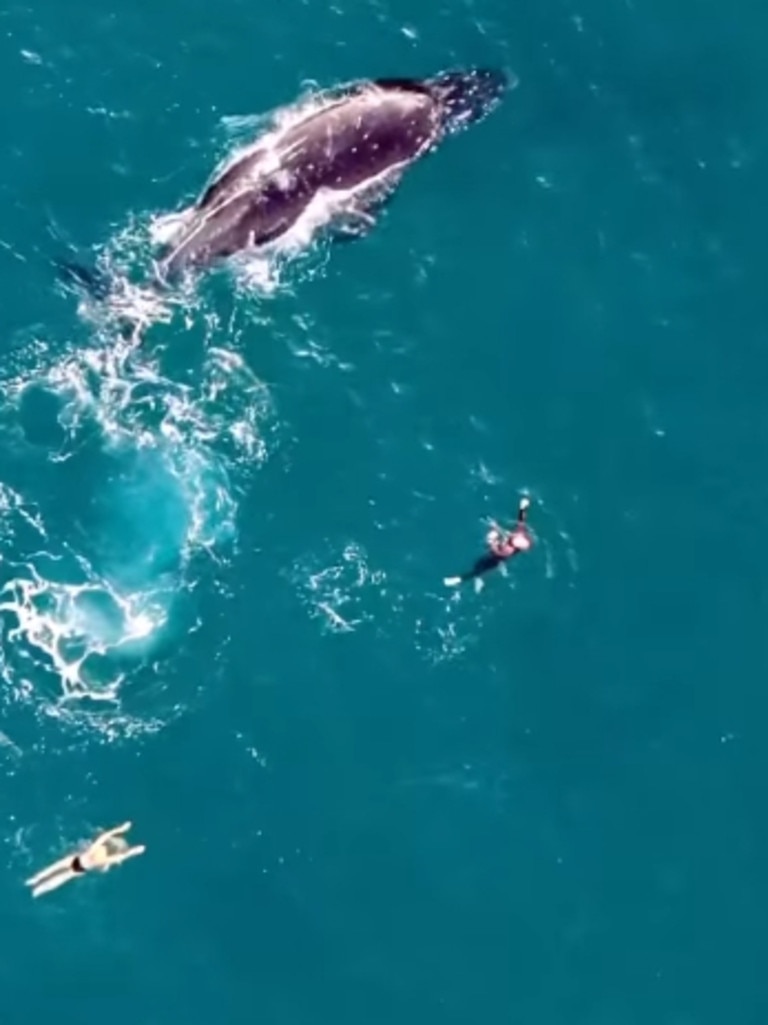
82 604
339 593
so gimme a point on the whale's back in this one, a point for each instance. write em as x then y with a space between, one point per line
341 147
360 138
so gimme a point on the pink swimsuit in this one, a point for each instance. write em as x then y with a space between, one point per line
507 547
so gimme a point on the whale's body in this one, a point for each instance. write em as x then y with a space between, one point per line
348 147
351 148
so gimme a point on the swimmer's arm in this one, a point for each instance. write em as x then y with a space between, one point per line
111 832
132 852
522 510
494 531
53 882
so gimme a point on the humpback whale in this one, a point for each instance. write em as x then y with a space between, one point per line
348 149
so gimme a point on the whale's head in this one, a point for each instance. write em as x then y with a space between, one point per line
466 97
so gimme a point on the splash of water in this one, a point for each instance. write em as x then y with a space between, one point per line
88 592
339 593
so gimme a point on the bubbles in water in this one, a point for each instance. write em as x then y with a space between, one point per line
116 477
120 474
336 593
76 627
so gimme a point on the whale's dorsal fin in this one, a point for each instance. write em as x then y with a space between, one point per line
408 85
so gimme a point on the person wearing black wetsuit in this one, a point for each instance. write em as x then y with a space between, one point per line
502 545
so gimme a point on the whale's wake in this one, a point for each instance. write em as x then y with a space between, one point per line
149 458
150 468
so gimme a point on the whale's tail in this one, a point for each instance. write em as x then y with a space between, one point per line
466 97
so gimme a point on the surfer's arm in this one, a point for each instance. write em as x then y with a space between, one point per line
118 857
109 834
132 852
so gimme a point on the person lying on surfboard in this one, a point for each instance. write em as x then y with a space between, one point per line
106 851
502 545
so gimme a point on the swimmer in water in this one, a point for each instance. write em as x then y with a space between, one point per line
502 545
105 852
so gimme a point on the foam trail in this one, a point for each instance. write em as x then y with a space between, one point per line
88 591
340 593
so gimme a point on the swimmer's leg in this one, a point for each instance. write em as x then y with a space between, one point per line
484 564
54 882
54 869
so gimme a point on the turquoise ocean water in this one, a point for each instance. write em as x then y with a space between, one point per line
366 798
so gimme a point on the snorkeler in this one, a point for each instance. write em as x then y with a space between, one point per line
502 545
105 852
